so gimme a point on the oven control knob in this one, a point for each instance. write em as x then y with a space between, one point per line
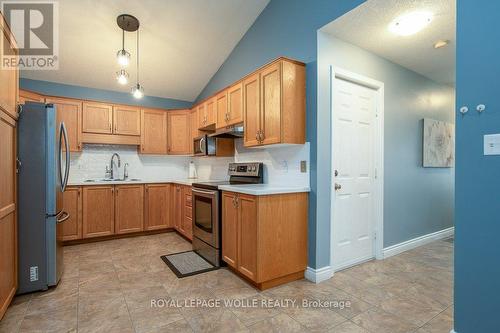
254 168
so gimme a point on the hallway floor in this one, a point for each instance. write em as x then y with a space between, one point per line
108 287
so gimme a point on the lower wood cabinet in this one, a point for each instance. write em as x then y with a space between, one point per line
177 207
264 238
72 227
98 211
188 213
157 205
129 208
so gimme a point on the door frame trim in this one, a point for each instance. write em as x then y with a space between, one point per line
339 73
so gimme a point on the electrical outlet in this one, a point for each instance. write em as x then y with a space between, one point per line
303 166
33 273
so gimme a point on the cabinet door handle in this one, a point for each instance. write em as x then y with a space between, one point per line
257 136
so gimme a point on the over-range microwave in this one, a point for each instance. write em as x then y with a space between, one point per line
212 146
204 146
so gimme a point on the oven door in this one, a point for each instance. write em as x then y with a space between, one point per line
206 216
200 146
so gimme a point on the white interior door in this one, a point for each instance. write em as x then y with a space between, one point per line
353 174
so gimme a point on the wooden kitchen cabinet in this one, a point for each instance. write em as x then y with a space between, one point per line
247 235
126 120
9 78
179 132
8 179
178 207
206 115
251 106
129 208
72 203
98 211
97 118
229 229
69 111
264 238
235 104
221 109
187 221
8 212
29 96
157 206
154 132
279 115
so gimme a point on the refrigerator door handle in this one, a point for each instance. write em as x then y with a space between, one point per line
64 180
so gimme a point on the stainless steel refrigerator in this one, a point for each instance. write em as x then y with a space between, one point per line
43 163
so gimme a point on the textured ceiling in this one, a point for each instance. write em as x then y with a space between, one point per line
367 27
182 42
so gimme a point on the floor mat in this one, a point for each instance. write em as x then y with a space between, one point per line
187 263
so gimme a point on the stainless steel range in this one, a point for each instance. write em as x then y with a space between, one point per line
207 206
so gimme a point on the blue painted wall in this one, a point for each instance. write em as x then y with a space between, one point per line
417 200
288 28
477 205
66 90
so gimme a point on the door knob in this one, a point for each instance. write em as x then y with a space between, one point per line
337 187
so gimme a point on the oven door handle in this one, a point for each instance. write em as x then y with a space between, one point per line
197 190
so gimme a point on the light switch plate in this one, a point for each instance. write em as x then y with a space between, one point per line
492 144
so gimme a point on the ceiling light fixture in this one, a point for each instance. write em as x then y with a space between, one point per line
441 43
411 23
122 77
138 90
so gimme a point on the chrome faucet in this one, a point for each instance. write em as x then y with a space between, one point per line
111 164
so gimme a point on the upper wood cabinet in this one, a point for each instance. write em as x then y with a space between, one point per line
206 115
229 106
252 114
97 118
179 132
9 78
157 205
235 104
274 105
72 227
98 211
29 96
129 208
126 120
221 109
154 132
69 111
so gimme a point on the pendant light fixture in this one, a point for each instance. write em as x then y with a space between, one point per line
127 23
123 56
138 90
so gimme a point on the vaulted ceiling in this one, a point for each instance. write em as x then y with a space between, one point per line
182 43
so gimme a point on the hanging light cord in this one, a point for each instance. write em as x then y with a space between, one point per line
137 56
123 39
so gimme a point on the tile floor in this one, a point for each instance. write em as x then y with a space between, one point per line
108 287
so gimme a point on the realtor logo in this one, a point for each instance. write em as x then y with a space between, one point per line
35 26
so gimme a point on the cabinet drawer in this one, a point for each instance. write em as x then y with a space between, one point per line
189 212
189 200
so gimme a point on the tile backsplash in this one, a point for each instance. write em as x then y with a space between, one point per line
281 163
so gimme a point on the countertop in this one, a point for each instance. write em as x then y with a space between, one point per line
184 181
264 189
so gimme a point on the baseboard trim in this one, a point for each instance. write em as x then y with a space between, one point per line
416 242
318 275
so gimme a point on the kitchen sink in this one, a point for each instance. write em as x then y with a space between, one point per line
111 180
